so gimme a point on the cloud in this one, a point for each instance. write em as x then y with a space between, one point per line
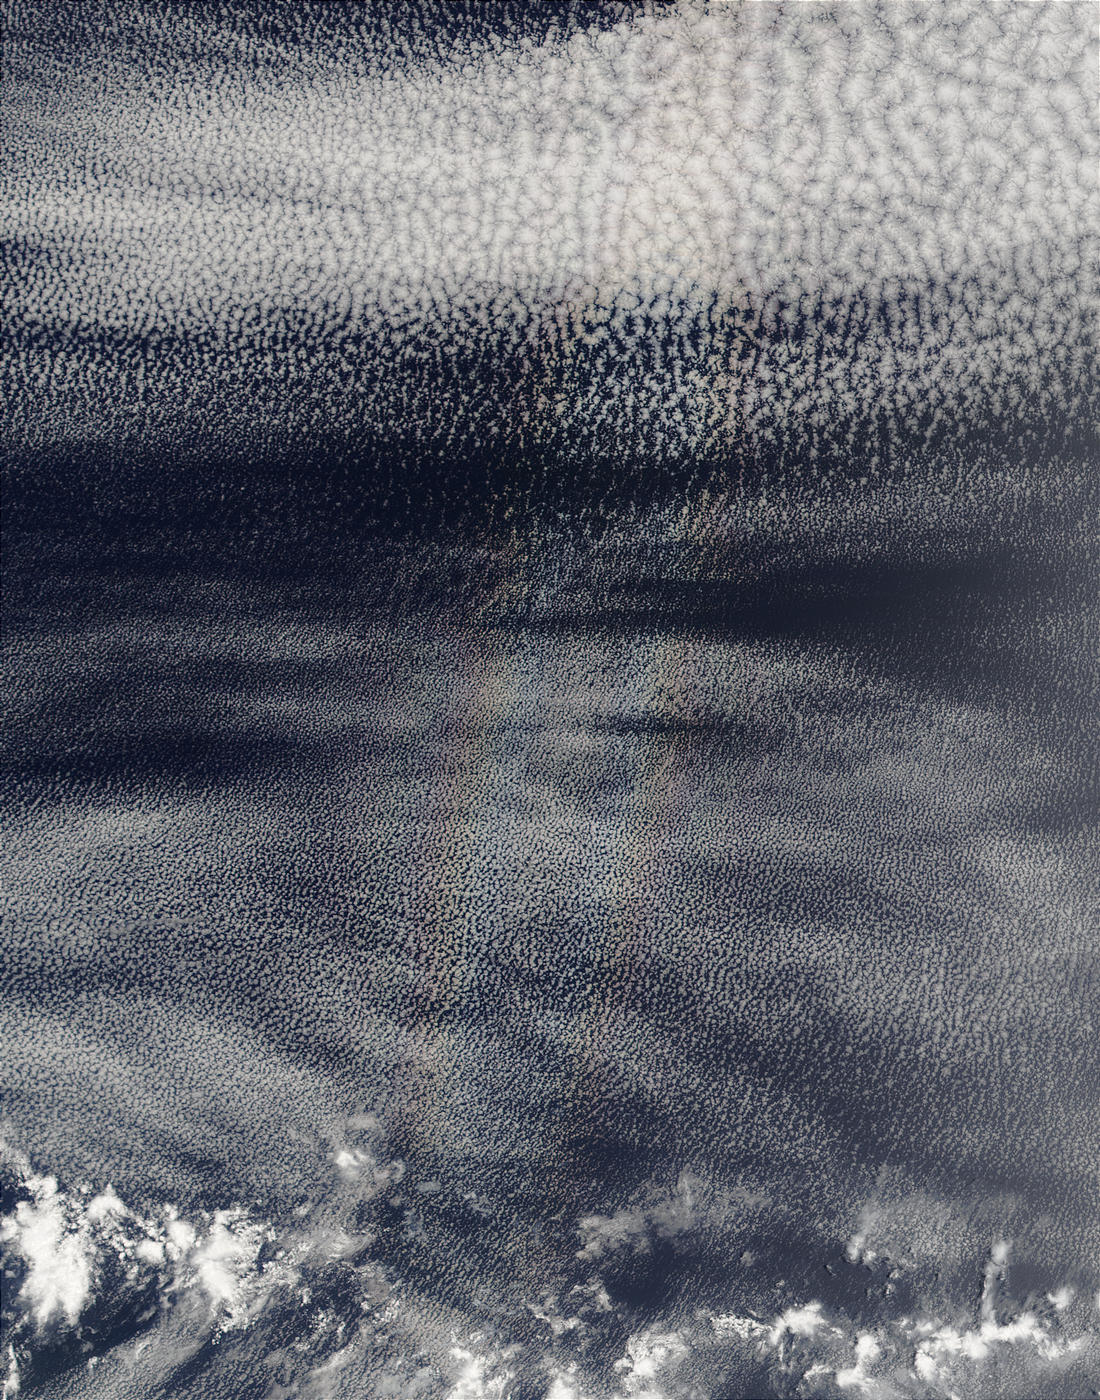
689 147
296 1299
56 1250
1015 1354
648 1353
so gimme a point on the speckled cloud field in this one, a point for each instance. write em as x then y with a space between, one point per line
550 760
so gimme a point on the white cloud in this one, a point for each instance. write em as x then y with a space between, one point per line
225 1262
56 1249
11 1380
481 1376
855 1376
916 1355
803 1321
648 1353
65 1239
693 146
216 1261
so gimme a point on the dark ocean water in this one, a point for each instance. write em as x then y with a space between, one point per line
655 967
549 721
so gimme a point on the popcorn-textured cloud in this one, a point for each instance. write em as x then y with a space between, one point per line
691 147
638 940
647 235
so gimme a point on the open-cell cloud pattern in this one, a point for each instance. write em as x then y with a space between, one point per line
549 767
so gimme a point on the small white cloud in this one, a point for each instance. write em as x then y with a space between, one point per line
11 1380
352 1163
551 1316
744 1328
798 1322
563 1386
648 1353
181 1235
608 1234
941 1358
105 1206
151 1251
366 1169
868 1352
481 1376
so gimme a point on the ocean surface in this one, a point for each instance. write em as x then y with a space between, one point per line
549 759
663 965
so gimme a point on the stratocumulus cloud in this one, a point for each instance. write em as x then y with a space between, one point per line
686 234
660 153
549 765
